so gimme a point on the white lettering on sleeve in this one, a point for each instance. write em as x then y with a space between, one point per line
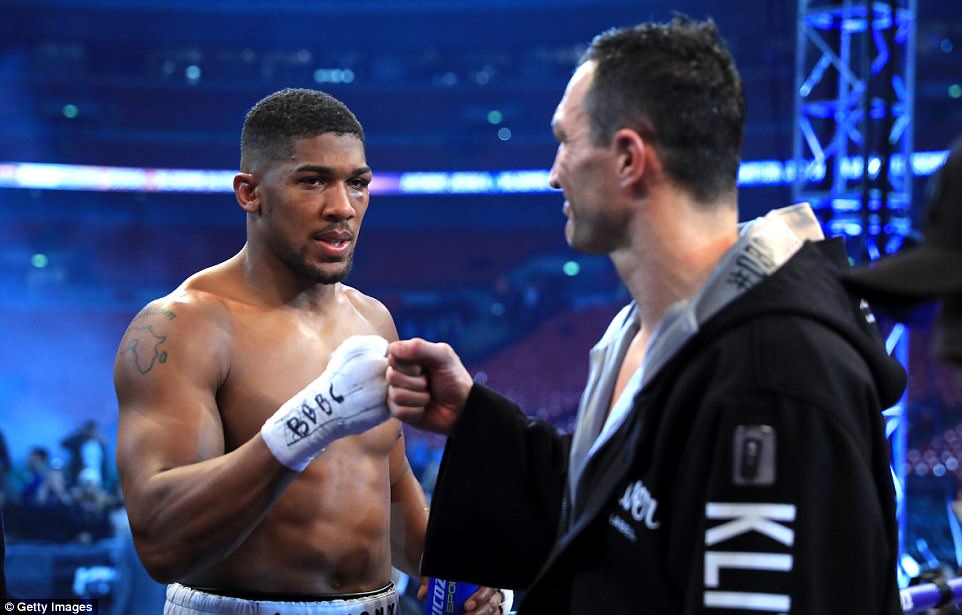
773 603
742 518
746 517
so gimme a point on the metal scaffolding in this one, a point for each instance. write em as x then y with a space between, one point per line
854 102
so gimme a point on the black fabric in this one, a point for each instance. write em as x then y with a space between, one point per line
519 456
793 360
945 592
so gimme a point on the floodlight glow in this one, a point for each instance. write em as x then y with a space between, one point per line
333 75
44 176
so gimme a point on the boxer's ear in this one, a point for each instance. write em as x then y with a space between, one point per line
632 152
246 192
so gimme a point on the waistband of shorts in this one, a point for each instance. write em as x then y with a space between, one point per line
382 601
280 597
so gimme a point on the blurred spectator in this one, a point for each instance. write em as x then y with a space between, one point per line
92 507
38 466
88 450
44 512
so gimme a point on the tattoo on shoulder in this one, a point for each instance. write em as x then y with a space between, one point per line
155 311
143 345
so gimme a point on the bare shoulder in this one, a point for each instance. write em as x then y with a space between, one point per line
194 318
371 310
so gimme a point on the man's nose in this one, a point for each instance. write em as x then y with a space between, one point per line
338 203
553 178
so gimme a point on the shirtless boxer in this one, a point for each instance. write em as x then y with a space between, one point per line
257 459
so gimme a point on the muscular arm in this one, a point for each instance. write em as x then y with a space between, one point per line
189 503
409 513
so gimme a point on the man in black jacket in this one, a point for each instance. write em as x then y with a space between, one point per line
729 454
930 270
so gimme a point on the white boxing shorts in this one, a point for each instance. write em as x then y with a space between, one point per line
182 600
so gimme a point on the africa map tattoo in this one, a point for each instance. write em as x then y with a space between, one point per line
143 345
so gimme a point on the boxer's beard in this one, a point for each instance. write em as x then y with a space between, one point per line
299 265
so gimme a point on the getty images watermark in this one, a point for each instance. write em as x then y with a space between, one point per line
53 605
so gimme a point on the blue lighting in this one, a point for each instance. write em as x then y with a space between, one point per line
44 176
571 268
334 75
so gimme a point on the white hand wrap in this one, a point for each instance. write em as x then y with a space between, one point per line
350 397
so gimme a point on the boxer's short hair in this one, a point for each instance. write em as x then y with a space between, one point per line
276 121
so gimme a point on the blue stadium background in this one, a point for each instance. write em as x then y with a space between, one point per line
440 85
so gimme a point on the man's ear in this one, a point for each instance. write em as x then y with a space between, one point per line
248 196
632 152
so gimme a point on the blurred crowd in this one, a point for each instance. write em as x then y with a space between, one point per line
65 494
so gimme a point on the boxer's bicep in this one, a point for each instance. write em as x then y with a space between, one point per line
166 375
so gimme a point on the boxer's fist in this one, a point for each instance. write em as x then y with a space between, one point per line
347 399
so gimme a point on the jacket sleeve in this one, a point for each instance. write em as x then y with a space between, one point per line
497 502
790 499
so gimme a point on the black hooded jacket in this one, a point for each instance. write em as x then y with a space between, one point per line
752 474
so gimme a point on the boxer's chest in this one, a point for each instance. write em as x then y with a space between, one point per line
271 361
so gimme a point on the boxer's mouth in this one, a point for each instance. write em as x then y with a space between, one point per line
334 238
334 243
